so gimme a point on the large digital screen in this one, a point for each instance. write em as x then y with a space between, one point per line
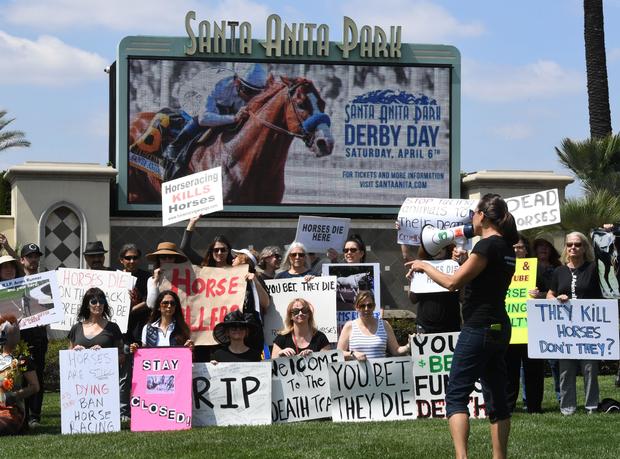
333 135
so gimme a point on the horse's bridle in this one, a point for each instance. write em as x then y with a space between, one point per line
305 135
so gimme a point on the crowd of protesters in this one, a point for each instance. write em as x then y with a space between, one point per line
473 304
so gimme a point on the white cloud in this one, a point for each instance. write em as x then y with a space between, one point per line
47 61
613 54
516 131
159 17
540 79
421 21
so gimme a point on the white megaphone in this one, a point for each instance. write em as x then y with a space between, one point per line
434 239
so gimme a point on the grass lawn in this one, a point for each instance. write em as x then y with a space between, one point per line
549 435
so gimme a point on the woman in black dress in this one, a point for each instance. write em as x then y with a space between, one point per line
300 335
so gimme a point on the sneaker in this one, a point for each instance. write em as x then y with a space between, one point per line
125 418
33 424
590 410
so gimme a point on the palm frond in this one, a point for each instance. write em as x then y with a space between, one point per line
592 211
9 139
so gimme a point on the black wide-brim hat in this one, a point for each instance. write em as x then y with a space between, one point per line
235 319
94 248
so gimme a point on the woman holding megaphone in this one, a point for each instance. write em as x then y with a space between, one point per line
485 335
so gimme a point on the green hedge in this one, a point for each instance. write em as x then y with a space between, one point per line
402 329
51 378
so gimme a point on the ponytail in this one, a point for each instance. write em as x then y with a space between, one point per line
496 210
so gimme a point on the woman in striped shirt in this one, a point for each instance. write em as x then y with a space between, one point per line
368 337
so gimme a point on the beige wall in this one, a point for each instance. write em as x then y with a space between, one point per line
39 188
512 183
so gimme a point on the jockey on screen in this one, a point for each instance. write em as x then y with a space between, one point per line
225 105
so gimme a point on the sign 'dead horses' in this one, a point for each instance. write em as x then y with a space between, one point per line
252 154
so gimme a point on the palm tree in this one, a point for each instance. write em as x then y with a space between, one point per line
596 69
595 162
10 139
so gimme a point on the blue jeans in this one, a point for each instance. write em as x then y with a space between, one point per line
479 353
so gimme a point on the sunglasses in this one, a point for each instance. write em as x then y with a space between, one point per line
297 311
277 256
573 244
168 303
298 255
94 301
349 250
131 258
367 306
220 250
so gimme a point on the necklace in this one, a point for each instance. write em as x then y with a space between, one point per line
573 282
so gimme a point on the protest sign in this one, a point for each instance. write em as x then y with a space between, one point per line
229 394
421 283
207 295
320 292
536 209
89 396
300 386
440 213
192 195
351 279
432 359
318 234
33 300
577 329
523 280
161 389
73 283
372 390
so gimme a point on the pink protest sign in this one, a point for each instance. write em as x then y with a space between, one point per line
161 397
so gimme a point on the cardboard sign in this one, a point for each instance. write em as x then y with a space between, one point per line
161 389
577 329
207 295
89 395
33 300
192 195
320 292
372 390
231 394
421 283
432 359
351 279
415 213
536 209
300 387
318 234
73 283
523 280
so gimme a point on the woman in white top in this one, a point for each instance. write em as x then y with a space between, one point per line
166 327
368 337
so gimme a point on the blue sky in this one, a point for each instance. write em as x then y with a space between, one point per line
523 91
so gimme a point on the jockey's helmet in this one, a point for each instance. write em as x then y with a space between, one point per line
254 76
